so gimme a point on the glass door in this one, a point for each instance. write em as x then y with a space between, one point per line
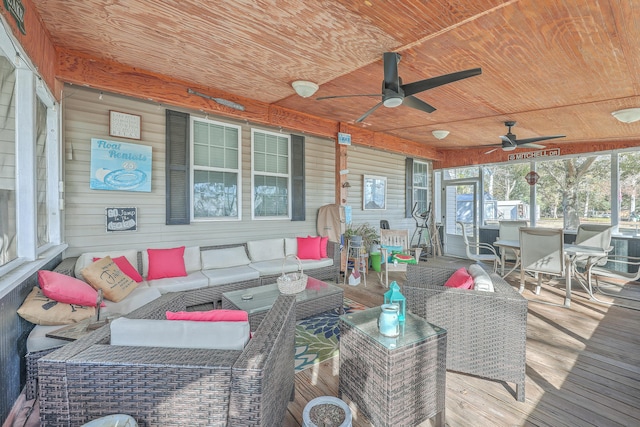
460 205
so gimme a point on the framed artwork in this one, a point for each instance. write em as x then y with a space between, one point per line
374 192
124 125
120 166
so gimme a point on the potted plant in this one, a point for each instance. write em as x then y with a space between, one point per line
368 233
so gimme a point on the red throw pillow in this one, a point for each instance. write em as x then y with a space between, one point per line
460 279
123 264
323 246
166 263
210 316
66 289
309 247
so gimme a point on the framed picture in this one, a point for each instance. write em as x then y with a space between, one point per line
124 125
374 192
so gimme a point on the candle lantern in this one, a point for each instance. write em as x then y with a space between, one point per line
393 296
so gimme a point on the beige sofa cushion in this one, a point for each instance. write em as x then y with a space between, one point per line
86 259
179 334
266 250
223 258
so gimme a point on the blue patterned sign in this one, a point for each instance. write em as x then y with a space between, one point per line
120 166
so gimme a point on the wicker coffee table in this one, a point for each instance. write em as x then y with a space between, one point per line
393 381
318 297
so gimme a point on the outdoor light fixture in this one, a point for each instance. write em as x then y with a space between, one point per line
346 185
440 134
304 88
628 115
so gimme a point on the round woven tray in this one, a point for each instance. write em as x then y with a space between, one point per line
292 283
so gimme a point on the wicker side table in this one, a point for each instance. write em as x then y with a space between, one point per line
393 381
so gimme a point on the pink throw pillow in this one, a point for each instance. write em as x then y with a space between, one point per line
323 246
66 289
210 316
166 263
309 247
123 264
460 279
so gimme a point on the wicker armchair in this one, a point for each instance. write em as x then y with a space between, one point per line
89 378
487 331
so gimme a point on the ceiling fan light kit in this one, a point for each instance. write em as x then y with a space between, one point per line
304 88
628 115
440 134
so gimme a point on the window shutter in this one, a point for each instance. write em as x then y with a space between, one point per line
177 168
297 178
408 173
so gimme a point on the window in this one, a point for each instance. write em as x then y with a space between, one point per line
42 174
420 186
573 191
216 170
629 184
270 174
506 192
8 250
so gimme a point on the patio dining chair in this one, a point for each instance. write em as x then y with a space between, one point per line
617 268
541 252
390 241
473 250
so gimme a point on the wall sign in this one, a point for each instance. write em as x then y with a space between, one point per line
344 138
122 219
552 152
120 166
124 125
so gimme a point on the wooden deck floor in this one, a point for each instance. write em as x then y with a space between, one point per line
583 369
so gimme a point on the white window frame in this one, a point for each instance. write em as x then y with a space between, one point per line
29 87
426 189
253 174
214 169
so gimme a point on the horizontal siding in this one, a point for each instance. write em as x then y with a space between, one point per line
86 117
365 161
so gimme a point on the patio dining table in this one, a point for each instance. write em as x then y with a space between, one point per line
571 253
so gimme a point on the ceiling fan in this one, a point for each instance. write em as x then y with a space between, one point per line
394 93
510 142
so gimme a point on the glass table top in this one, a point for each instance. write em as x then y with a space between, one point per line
261 298
413 330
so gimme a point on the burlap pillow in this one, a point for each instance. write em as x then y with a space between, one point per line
104 274
41 310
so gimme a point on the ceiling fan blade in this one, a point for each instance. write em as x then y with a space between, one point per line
346 96
539 138
422 85
418 104
391 79
508 141
371 110
530 145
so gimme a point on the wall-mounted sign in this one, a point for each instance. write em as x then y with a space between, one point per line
344 138
124 125
532 177
122 219
120 166
552 152
16 9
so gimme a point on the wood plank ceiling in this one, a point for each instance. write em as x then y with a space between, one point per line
554 66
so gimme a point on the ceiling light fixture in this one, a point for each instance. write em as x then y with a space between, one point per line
628 115
304 88
440 134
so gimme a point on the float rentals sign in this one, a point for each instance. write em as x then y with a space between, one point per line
120 166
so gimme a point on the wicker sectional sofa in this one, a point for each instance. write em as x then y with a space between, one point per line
487 331
90 378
